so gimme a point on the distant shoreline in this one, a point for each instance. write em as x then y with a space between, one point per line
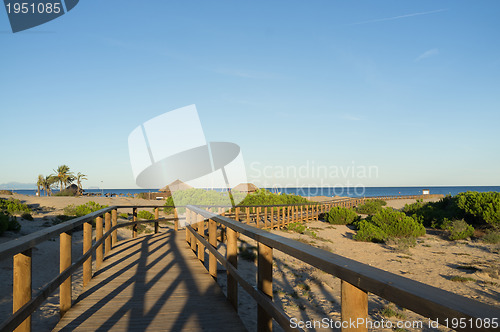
316 191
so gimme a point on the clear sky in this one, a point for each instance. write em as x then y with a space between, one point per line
411 88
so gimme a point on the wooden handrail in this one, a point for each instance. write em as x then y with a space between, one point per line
27 309
423 299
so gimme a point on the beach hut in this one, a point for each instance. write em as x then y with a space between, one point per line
175 186
426 191
246 188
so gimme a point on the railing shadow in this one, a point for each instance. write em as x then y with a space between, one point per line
162 271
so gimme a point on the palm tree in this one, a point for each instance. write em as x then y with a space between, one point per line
39 183
47 184
79 178
64 176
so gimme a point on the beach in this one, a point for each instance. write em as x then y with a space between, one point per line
301 290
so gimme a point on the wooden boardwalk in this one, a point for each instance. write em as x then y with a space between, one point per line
152 283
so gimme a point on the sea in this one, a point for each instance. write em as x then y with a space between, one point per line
320 191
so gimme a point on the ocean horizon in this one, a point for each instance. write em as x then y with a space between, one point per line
319 191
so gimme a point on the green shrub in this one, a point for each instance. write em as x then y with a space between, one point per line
301 229
123 215
434 214
371 206
169 202
5 192
84 209
491 237
474 207
265 197
368 232
459 230
341 216
296 227
143 214
481 207
61 218
397 224
141 228
8 223
388 223
27 216
14 225
66 192
248 253
196 196
4 222
13 206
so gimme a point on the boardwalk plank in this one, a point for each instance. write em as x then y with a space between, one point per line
152 283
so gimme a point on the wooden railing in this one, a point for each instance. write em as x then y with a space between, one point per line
21 251
357 279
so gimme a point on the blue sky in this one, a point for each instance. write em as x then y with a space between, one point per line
410 87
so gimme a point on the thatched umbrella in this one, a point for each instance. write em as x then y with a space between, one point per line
246 188
175 186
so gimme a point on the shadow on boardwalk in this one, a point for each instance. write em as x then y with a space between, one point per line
152 283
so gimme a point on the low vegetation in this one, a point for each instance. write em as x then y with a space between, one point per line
388 223
146 215
13 206
341 216
458 229
212 197
492 237
478 209
8 223
371 206
84 209
300 228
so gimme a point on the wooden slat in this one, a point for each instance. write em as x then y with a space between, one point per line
158 285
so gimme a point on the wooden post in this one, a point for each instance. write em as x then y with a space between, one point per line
114 220
317 212
107 228
193 240
272 216
232 258
201 231
98 235
265 216
87 244
248 214
64 263
302 213
354 306
134 227
257 217
157 216
188 221
265 285
176 220
21 292
212 238
237 214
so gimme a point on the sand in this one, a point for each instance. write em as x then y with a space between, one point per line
304 292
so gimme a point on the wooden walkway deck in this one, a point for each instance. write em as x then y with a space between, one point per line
152 283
